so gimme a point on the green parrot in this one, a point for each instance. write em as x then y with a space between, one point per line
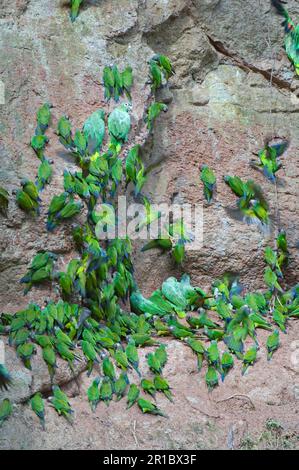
90 353
120 386
259 321
127 81
153 112
108 82
271 259
38 406
56 204
119 123
25 202
40 270
93 393
133 395
161 355
164 244
195 345
43 118
208 179
154 363
25 352
213 355
291 41
178 252
121 359
49 357
227 362
5 378
161 385
211 378
164 64
30 188
156 76
279 318
108 369
256 301
143 340
272 344
38 144
148 386
180 333
64 131
201 321
270 279
282 249
252 206
106 391
69 210
118 84
281 241
66 284
44 174
63 337
249 358
94 131
141 179
236 346
75 7
5 410
131 164
66 354
269 159
59 401
4 199
132 355
148 407
213 334
236 185
150 216
80 143
20 337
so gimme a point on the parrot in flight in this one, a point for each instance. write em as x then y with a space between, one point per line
291 40
252 206
269 159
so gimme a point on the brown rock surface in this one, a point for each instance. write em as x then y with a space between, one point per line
221 107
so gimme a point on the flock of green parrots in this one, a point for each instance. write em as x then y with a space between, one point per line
91 324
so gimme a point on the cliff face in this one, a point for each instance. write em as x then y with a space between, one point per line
233 87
